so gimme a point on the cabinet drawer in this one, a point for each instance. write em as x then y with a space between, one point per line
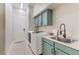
66 49
59 52
48 41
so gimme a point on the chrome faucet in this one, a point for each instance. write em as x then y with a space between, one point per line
64 35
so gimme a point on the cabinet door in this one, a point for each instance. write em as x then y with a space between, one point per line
39 20
47 49
36 21
49 17
44 18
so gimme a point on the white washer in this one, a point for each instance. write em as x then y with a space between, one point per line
36 42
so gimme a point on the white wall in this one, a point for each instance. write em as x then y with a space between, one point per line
31 21
8 25
39 7
2 28
68 14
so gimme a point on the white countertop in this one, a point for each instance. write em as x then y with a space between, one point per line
74 45
31 31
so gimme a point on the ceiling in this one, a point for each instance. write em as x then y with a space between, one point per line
17 5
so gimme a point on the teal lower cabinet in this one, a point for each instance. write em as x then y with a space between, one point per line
53 48
67 50
47 49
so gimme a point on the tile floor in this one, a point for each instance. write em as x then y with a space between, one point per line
20 48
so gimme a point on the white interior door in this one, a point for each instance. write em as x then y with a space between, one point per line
19 25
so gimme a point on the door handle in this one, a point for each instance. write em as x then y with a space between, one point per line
24 29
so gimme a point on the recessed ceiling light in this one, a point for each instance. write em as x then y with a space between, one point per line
21 5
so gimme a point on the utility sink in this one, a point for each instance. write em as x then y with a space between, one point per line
53 38
65 40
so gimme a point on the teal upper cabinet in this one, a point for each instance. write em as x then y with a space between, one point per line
44 18
47 17
36 22
39 20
